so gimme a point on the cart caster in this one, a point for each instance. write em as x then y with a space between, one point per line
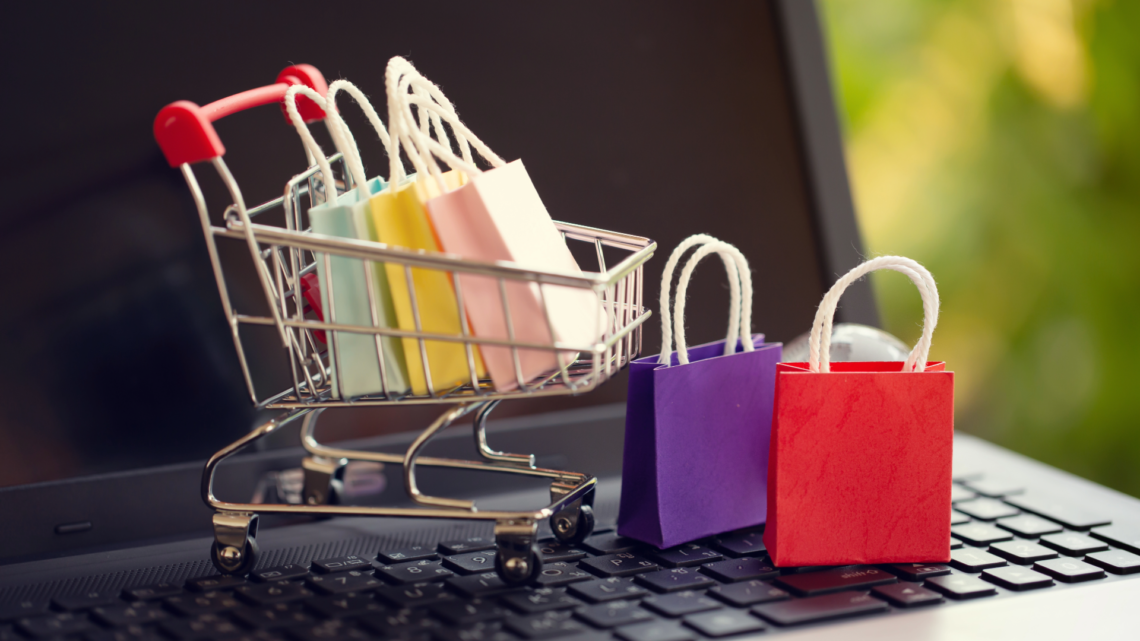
573 524
519 569
324 480
231 560
235 548
518 559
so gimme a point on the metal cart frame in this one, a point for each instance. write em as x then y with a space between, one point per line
282 256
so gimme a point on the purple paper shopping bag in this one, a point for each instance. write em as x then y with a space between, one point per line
698 420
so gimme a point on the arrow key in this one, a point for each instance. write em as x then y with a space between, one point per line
907 595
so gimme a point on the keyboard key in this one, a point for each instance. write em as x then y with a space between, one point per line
685 555
1016 578
342 564
1116 561
1030 526
744 543
749 593
205 603
620 564
723 623
820 608
611 615
547 625
472 562
484 584
906 595
674 579
274 617
482 631
468 612
959 493
1073 544
344 582
655 631
85 601
215 582
918 571
148 592
1071 517
55 625
835 580
610 543
1121 537
272 593
1069 570
22 609
470 544
957 518
995 487
553 551
280 573
206 626
980 533
611 589
987 509
414 572
411 553
1023 552
743 569
330 630
974 560
123 614
126 633
561 573
415 595
400 624
961 586
680 604
955 544
335 606
541 600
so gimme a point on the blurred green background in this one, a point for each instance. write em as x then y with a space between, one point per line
998 143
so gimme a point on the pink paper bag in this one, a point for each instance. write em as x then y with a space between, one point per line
498 216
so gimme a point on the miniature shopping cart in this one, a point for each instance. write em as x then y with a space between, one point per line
285 257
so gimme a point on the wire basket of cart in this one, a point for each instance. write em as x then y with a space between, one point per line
292 262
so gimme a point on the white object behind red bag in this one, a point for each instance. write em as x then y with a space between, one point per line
499 216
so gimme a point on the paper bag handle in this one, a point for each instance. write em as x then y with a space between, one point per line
307 137
399 76
740 305
342 136
819 343
420 147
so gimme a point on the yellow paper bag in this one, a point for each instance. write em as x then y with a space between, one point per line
399 219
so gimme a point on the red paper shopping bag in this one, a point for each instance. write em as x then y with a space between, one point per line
860 463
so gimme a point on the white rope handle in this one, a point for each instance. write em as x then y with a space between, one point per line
342 135
819 343
420 147
307 136
740 304
738 264
401 75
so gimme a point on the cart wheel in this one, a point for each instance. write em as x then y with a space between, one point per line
519 570
570 532
229 560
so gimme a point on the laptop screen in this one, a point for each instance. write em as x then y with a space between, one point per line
661 121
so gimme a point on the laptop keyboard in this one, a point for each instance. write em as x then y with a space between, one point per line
1005 542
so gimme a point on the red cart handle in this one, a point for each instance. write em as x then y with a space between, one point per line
183 129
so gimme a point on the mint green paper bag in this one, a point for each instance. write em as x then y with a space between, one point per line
355 366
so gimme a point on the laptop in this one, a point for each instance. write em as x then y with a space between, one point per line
122 378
